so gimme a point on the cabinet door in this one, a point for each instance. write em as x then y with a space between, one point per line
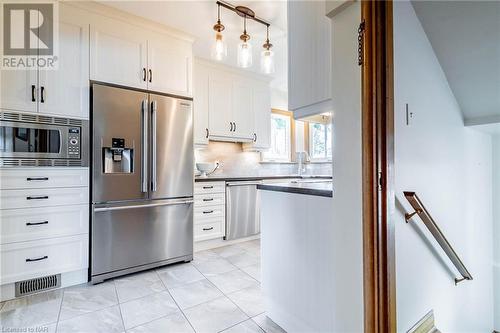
262 113
19 90
65 90
118 53
242 109
201 132
220 105
169 65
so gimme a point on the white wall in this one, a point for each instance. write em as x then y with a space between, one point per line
347 306
450 167
496 228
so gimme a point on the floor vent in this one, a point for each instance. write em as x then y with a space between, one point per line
32 286
425 325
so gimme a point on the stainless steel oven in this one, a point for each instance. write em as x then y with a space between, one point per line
39 140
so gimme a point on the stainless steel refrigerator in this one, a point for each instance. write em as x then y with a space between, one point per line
142 181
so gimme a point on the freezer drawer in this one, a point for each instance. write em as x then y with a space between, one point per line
127 238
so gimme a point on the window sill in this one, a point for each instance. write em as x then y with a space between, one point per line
277 162
320 162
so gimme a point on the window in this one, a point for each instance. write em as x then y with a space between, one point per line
320 142
281 137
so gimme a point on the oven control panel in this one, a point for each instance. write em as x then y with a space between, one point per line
74 142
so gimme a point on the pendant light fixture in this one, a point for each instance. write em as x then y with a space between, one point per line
267 56
219 48
245 48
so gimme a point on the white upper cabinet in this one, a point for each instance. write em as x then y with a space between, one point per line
62 91
134 57
169 65
231 105
200 92
243 118
262 117
65 91
309 56
118 53
220 105
19 90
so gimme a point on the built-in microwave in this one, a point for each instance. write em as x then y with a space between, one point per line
39 140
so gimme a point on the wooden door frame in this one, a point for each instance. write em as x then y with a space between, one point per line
378 167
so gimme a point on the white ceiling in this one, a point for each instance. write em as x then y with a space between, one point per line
198 17
465 36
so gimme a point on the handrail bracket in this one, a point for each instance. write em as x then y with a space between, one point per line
408 216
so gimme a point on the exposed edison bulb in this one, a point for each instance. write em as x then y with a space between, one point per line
219 48
244 54
267 61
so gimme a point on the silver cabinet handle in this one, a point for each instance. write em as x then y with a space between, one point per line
107 209
37 259
144 170
153 148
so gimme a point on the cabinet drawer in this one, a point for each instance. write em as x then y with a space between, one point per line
43 178
43 197
208 230
208 212
20 225
26 260
201 200
209 187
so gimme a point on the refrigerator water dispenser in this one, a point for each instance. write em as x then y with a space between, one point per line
118 158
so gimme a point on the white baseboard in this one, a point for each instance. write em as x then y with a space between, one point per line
214 243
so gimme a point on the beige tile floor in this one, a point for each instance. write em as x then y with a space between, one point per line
219 291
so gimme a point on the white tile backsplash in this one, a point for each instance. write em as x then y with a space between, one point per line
236 162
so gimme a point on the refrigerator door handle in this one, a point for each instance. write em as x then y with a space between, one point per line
153 148
144 157
170 203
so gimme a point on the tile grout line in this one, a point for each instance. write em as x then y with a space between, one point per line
119 307
182 311
225 295
60 307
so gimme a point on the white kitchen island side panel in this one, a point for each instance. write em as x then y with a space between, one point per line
298 264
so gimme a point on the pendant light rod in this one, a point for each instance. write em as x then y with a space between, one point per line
244 12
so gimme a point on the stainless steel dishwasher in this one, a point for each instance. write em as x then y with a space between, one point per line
242 209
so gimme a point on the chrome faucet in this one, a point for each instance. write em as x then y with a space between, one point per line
302 159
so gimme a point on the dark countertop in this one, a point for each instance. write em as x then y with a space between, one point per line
255 177
322 189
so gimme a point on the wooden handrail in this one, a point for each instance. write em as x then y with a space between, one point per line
424 215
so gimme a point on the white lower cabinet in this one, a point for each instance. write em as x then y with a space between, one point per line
44 224
209 210
43 197
208 230
27 260
43 178
20 225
